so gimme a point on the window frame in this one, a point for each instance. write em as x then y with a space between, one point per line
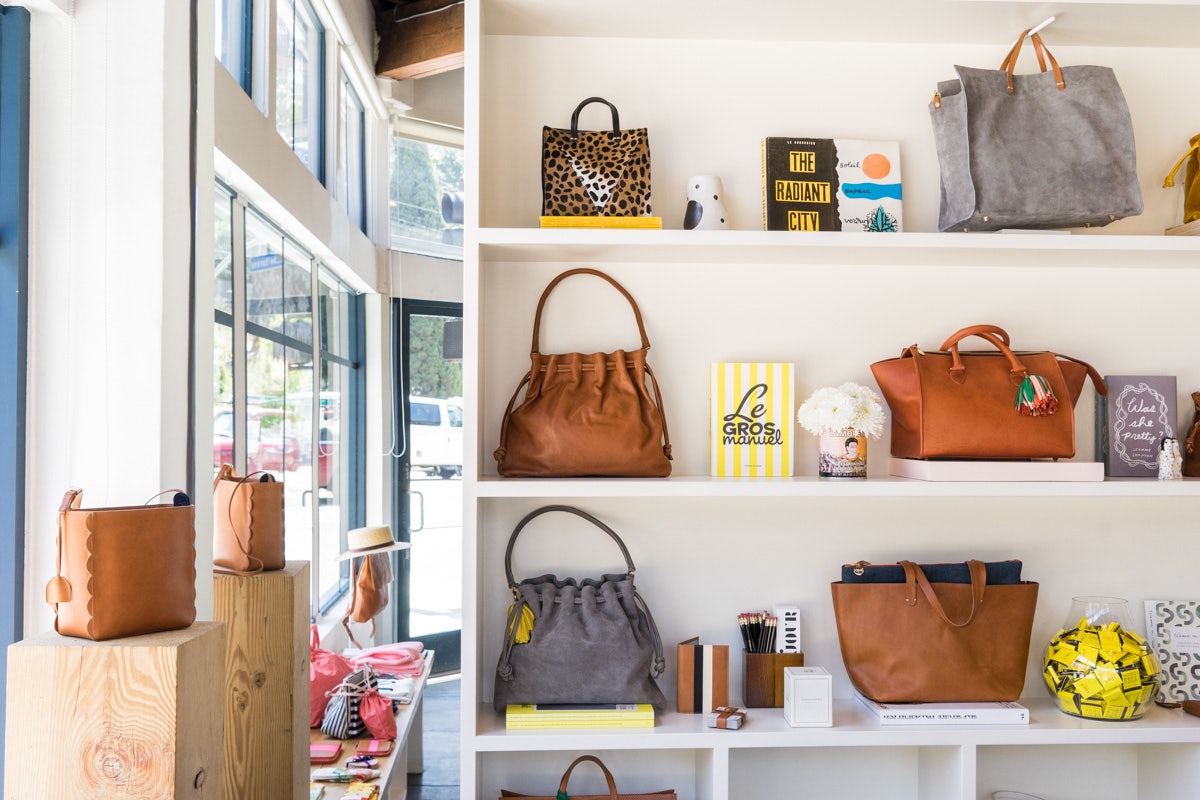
14 276
242 68
353 407
357 188
316 88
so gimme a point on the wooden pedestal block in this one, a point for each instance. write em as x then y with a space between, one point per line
266 682
138 717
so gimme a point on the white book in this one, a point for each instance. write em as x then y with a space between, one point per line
995 713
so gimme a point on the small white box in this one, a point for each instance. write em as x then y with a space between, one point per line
807 697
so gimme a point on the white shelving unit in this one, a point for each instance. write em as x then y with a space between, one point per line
709 82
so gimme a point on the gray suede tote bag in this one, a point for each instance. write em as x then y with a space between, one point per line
569 642
1053 149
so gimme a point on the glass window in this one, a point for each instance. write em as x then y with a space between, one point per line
265 402
425 196
299 81
234 34
351 166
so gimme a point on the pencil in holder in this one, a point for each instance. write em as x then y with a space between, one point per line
762 678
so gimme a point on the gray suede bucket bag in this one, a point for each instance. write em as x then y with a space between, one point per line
1053 149
587 641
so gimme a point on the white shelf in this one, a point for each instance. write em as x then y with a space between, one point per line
704 486
853 727
1137 23
1028 250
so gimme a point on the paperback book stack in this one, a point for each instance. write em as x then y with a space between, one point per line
615 715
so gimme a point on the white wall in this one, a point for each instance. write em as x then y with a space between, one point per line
110 250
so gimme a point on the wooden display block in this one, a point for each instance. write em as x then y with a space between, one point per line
266 681
138 717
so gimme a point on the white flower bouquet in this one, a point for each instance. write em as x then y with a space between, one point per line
849 407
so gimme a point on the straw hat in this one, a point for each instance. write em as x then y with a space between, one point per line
369 541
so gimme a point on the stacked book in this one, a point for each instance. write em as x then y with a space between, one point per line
992 713
615 715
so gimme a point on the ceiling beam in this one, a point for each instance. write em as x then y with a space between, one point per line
420 38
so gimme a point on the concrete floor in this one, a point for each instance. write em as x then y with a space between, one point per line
439 781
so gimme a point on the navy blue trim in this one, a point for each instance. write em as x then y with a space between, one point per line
14 286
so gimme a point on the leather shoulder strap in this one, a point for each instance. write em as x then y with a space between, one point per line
537 318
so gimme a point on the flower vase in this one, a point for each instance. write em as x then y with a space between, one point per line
842 454
1097 666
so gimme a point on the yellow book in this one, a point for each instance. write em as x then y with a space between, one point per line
751 420
620 715
602 222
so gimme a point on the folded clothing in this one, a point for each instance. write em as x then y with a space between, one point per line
400 659
398 689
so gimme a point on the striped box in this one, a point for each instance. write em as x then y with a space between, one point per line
751 424
703 680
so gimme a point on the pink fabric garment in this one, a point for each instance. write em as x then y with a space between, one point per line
405 659
325 671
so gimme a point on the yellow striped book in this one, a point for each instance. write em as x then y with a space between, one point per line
617 715
654 223
751 423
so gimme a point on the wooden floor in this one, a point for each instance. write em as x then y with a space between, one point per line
439 781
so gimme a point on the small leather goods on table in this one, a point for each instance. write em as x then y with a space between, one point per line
725 717
613 794
917 641
993 404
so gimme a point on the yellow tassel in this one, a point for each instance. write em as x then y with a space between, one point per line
524 624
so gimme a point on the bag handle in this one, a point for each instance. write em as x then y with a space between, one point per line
58 590
914 576
958 371
1010 61
999 338
512 539
612 784
537 318
227 473
616 131
1193 151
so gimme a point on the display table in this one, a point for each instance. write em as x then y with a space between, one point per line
393 782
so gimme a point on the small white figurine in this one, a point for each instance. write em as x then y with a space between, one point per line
1170 460
706 204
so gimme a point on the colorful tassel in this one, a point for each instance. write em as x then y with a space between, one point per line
524 624
1035 398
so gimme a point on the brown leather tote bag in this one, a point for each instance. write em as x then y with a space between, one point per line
124 571
613 794
247 523
586 414
919 642
996 404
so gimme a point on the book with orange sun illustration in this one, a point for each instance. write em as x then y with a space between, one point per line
831 185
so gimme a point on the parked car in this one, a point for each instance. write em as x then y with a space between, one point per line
272 441
435 433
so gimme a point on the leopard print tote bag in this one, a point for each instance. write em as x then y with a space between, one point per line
595 173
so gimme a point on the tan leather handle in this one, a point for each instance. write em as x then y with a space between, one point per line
537 319
914 577
958 370
612 785
1010 61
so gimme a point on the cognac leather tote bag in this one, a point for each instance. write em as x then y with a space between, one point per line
998 403
586 641
1052 149
124 571
923 642
586 414
613 794
247 523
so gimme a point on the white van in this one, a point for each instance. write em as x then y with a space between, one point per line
435 432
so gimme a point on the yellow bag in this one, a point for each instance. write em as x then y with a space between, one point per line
1191 181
